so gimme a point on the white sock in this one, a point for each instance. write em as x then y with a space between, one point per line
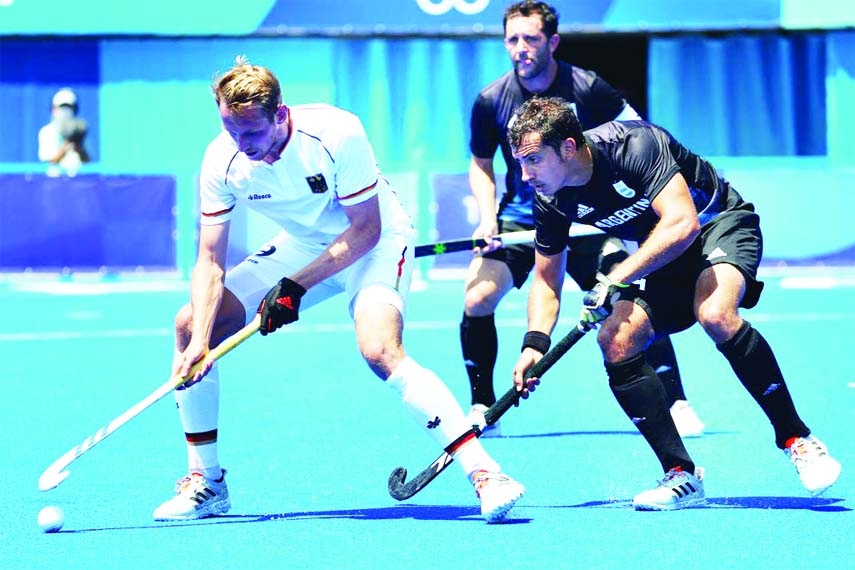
198 408
434 407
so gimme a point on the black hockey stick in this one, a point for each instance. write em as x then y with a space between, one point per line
467 244
507 238
401 489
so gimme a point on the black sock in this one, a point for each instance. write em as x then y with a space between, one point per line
480 343
660 355
755 365
639 392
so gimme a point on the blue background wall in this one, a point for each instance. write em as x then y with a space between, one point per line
782 96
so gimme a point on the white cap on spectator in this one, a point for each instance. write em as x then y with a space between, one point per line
65 97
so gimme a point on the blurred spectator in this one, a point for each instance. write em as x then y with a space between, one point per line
61 140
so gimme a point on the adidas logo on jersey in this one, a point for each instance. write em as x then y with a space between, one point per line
717 252
583 210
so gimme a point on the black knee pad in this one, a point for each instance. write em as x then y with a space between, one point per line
741 343
628 371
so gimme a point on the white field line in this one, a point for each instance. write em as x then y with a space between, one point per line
77 335
347 327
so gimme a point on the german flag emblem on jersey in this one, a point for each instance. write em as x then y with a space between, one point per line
317 183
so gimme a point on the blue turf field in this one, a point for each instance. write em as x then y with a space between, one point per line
310 436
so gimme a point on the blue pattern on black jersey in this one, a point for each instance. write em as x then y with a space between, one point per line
632 162
595 101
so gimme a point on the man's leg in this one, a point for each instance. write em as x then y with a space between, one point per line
488 281
719 292
640 394
660 354
428 400
599 253
203 491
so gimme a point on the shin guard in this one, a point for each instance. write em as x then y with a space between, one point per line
639 392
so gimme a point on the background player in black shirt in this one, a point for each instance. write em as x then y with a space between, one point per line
531 38
699 249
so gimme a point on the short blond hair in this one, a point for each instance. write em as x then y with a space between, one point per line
245 85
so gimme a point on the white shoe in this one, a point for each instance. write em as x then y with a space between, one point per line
195 497
816 468
687 421
677 490
498 494
476 418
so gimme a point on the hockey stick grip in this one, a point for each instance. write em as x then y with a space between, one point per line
512 396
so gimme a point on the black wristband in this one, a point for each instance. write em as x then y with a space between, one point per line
536 340
290 286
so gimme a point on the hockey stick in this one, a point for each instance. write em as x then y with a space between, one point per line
508 238
57 472
401 489
466 244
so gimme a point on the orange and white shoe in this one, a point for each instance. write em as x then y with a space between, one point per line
816 468
498 493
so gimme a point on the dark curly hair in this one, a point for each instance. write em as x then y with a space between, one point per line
548 15
550 117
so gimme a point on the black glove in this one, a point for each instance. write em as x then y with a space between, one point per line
280 305
597 304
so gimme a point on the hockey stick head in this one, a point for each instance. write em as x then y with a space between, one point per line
51 479
397 487
58 470
401 489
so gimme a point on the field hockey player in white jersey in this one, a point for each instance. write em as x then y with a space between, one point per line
310 169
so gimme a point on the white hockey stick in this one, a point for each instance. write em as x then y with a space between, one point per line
58 472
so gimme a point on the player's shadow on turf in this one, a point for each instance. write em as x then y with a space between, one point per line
828 505
416 512
602 432
472 514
